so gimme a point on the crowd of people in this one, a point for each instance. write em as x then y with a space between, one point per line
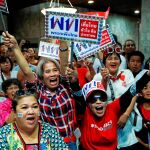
98 103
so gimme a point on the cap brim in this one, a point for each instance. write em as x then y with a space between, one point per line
93 91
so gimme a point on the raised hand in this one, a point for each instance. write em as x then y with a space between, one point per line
9 40
72 74
104 73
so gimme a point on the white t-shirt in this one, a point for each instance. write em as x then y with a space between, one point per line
119 86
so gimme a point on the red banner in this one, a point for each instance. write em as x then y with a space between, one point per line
99 13
3 6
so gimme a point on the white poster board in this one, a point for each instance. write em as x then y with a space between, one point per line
83 50
73 27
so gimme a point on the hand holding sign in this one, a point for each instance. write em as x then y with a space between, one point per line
10 40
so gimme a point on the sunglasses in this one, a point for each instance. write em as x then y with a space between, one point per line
25 92
97 97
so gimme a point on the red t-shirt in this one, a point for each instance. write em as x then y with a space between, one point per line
145 113
82 76
101 133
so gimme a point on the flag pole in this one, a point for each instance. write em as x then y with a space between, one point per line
3 22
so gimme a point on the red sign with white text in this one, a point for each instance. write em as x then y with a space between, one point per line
105 38
88 29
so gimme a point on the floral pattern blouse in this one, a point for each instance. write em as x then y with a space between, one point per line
49 139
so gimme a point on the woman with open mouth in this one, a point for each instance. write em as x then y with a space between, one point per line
9 87
116 82
27 132
57 93
99 123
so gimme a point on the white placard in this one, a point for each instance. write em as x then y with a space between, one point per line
48 50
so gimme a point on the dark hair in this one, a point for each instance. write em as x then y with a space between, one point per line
4 59
104 59
128 41
136 53
102 93
7 83
21 94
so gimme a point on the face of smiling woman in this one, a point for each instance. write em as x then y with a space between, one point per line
27 113
146 91
113 63
98 108
51 75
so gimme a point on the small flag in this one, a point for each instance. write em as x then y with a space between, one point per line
3 6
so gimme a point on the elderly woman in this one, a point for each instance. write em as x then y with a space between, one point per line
116 81
27 132
9 86
99 124
57 104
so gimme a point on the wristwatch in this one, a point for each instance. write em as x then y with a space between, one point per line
63 49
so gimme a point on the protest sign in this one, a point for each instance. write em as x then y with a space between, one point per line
74 27
3 6
50 50
83 50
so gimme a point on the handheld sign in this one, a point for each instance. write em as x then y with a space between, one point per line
48 50
3 6
73 27
83 50
51 50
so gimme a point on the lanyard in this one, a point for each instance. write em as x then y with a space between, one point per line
112 91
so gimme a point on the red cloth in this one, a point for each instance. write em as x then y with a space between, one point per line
120 76
145 113
82 76
5 110
101 133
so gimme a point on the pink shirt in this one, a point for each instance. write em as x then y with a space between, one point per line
5 110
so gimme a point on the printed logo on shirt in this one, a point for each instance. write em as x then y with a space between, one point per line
105 127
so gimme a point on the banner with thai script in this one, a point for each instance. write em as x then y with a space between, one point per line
83 50
50 50
3 6
74 27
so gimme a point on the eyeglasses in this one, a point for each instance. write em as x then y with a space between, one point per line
96 97
25 92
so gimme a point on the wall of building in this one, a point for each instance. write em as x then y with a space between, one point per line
145 29
28 23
